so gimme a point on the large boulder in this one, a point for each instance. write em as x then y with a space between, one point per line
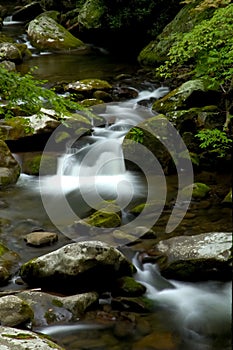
194 258
84 266
46 34
157 50
190 94
9 167
12 338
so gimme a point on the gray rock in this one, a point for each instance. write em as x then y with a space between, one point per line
14 311
199 257
11 338
77 267
39 238
49 309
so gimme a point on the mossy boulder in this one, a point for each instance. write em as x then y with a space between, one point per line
199 191
153 145
77 267
35 164
9 167
190 94
91 14
104 218
127 286
15 128
10 51
157 50
46 34
88 86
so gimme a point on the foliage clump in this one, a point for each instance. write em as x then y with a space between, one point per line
25 95
207 52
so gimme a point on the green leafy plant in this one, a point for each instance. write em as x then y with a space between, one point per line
207 50
214 140
25 95
137 135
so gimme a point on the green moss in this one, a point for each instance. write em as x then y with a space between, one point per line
104 219
57 303
3 249
50 316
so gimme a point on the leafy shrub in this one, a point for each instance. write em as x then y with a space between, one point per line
215 141
26 95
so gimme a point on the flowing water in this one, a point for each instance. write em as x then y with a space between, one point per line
187 316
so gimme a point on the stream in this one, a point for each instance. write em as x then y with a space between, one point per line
92 171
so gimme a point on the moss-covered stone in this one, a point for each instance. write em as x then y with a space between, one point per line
46 34
91 13
104 219
156 51
127 286
35 164
199 190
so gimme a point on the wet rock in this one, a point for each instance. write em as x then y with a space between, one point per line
88 86
199 190
8 65
46 34
135 304
11 338
90 102
201 257
14 311
35 164
9 168
190 94
41 238
10 52
8 263
50 309
127 286
157 138
102 218
84 266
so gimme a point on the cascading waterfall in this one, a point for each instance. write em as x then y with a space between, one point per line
98 165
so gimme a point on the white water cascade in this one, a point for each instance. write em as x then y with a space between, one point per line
200 311
96 169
